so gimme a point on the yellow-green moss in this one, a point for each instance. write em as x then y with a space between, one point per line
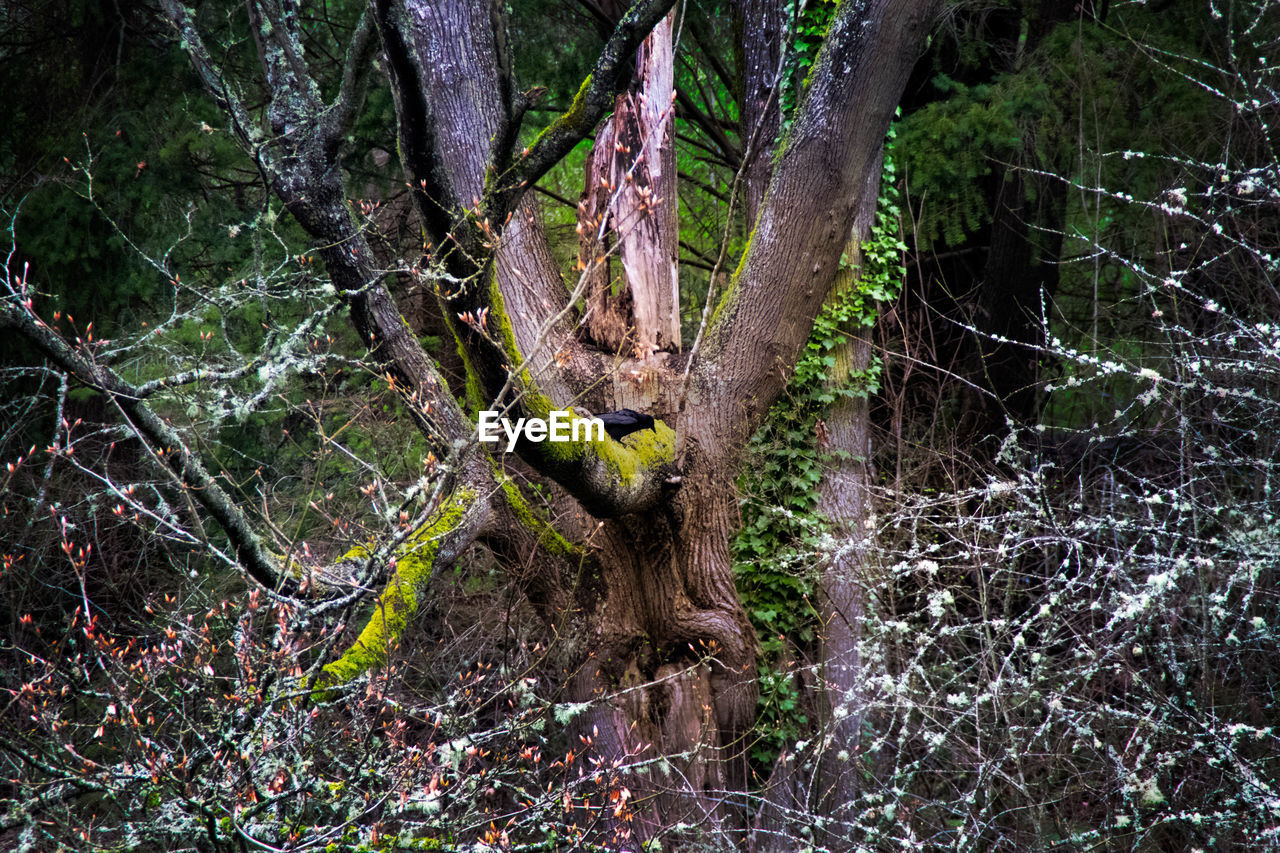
399 600
625 458
570 119
727 297
548 537
499 320
474 391
562 452
533 402
639 451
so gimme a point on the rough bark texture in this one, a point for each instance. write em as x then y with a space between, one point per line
300 161
656 627
460 59
760 114
607 477
645 211
844 498
608 315
669 617
796 245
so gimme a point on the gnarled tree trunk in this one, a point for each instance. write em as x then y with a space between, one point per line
652 632
667 636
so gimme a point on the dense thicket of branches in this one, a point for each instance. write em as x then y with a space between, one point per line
956 530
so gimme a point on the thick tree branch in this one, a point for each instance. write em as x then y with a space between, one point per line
300 166
438 542
765 317
609 477
277 34
762 26
461 126
445 66
511 107
356 72
415 128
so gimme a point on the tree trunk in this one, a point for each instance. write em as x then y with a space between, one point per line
461 62
668 576
656 644
760 114
675 651
824 781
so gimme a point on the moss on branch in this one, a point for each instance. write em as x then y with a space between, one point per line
415 563
641 451
549 538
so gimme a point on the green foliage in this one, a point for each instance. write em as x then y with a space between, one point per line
1079 91
551 47
153 157
811 28
949 147
855 308
782 528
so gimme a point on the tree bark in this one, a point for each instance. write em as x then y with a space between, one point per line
656 638
460 54
759 111
645 212
844 499
825 780
669 623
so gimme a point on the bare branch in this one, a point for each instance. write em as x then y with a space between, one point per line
178 458
210 74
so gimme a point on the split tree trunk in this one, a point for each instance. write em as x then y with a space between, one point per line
631 188
670 597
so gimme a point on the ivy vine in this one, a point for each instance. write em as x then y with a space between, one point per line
782 528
